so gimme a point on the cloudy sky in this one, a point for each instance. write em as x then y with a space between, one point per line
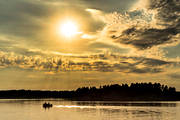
63 45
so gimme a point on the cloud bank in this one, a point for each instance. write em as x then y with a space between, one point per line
157 23
98 62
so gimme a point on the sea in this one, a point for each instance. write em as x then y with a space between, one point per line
32 109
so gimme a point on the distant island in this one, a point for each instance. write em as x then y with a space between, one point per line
115 92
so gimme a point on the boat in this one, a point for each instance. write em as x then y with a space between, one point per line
47 105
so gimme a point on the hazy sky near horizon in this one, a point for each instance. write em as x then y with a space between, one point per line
58 44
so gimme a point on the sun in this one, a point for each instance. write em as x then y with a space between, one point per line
68 29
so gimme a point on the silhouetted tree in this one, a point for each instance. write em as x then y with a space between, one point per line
134 91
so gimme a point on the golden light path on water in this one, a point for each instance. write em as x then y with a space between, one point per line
74 106
119 105
88 107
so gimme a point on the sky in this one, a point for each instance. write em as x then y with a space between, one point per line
63 45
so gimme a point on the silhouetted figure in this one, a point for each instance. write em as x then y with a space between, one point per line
47 105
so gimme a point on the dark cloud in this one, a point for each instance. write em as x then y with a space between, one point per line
141 65
18 17
11 46
144 37
167 9
110 5
146 70
32 21
104 5
156 62
174 75
172 51
148 61
111 48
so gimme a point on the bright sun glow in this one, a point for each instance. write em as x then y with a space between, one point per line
68 29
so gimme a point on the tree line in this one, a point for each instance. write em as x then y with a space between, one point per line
134 91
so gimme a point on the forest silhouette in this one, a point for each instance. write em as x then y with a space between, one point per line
114 92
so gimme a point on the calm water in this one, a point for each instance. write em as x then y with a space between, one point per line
68 110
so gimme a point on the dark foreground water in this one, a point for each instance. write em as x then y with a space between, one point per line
82 110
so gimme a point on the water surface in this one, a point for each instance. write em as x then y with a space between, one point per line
84 110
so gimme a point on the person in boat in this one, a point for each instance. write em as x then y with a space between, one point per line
47 105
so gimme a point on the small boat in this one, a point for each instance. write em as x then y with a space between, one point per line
47 105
